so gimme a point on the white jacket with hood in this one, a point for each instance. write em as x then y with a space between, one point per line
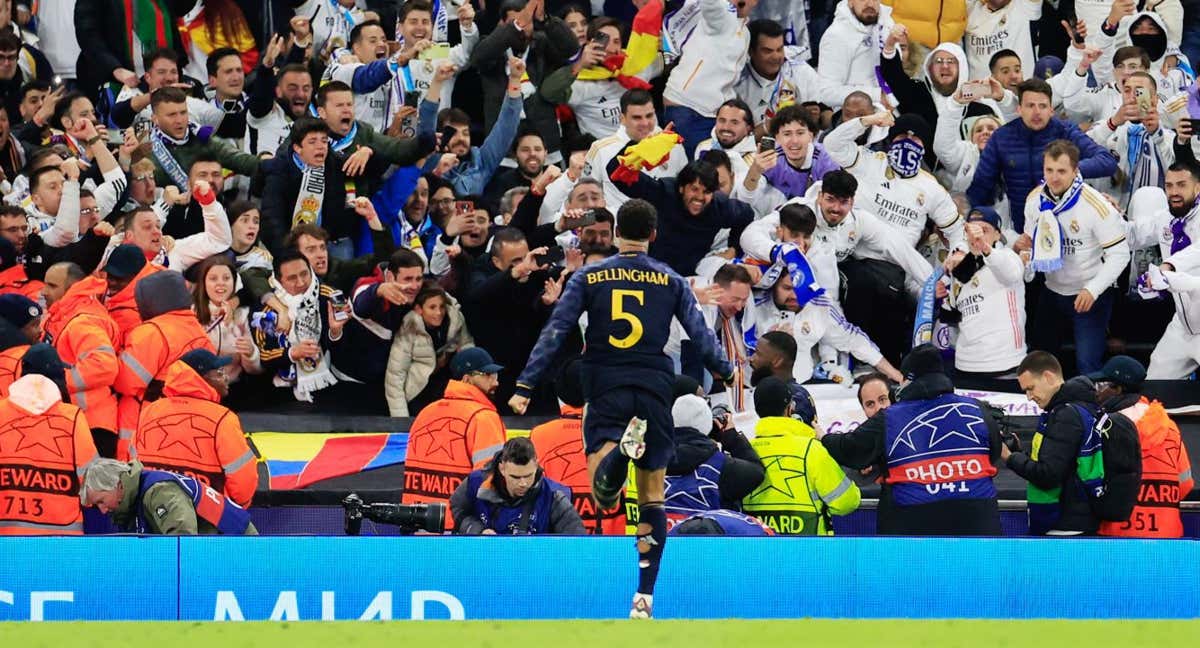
850 50
1170 82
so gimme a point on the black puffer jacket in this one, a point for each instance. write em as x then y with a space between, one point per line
1061 433
743 470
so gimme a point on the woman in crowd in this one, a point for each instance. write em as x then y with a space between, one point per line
432 333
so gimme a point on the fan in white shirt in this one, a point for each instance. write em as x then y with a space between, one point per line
994 25
638 121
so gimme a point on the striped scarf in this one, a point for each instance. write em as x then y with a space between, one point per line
1045 508
1047 234
1145 166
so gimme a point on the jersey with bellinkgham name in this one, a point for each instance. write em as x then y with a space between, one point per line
630 300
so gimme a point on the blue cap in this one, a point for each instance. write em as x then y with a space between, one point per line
803 406
204 361
984 214
1121 370
1047 66
473 360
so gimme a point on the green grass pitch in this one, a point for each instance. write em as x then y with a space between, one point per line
607 634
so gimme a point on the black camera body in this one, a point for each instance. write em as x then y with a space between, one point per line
409 517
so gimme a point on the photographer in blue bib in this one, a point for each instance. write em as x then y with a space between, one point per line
935 451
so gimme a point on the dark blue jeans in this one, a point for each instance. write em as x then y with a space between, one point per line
1090 329
694 127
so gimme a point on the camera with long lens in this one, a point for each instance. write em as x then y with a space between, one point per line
409 517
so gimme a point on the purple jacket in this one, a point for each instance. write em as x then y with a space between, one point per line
792 181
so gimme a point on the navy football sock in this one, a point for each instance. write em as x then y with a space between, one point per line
610 475
650 545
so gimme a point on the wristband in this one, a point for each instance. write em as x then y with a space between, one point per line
205 198
92 141
1111 126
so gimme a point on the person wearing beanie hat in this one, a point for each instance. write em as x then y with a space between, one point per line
169 330
803 485
559 445
20 326
936 451
714 465
57 442
987 299
125 267
144 231
1166 471
22 313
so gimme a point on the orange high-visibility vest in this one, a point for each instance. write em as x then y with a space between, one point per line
86 339
448 439
43 455
1166 476
559 446
10 367
150 348
189 432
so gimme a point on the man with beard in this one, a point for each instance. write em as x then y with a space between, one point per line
453 436
789 298
711 60
850 47
733 134
529 150
943 72
277 102
1173 226
470 168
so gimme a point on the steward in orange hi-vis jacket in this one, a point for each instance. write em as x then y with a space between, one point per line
86 338
168 330
559 446
45 447
454 435
189 432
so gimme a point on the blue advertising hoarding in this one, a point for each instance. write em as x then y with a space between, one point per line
314 578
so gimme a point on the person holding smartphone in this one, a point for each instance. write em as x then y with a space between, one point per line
1143 147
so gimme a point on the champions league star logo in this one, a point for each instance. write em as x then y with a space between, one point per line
936 426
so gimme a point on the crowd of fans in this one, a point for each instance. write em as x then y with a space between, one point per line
334 198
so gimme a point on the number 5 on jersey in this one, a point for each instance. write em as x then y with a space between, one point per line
619 314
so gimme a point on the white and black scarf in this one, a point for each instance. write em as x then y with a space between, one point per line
304 310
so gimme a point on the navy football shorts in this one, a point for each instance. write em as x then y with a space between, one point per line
606 416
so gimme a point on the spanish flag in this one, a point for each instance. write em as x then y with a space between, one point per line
646 154
644 44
